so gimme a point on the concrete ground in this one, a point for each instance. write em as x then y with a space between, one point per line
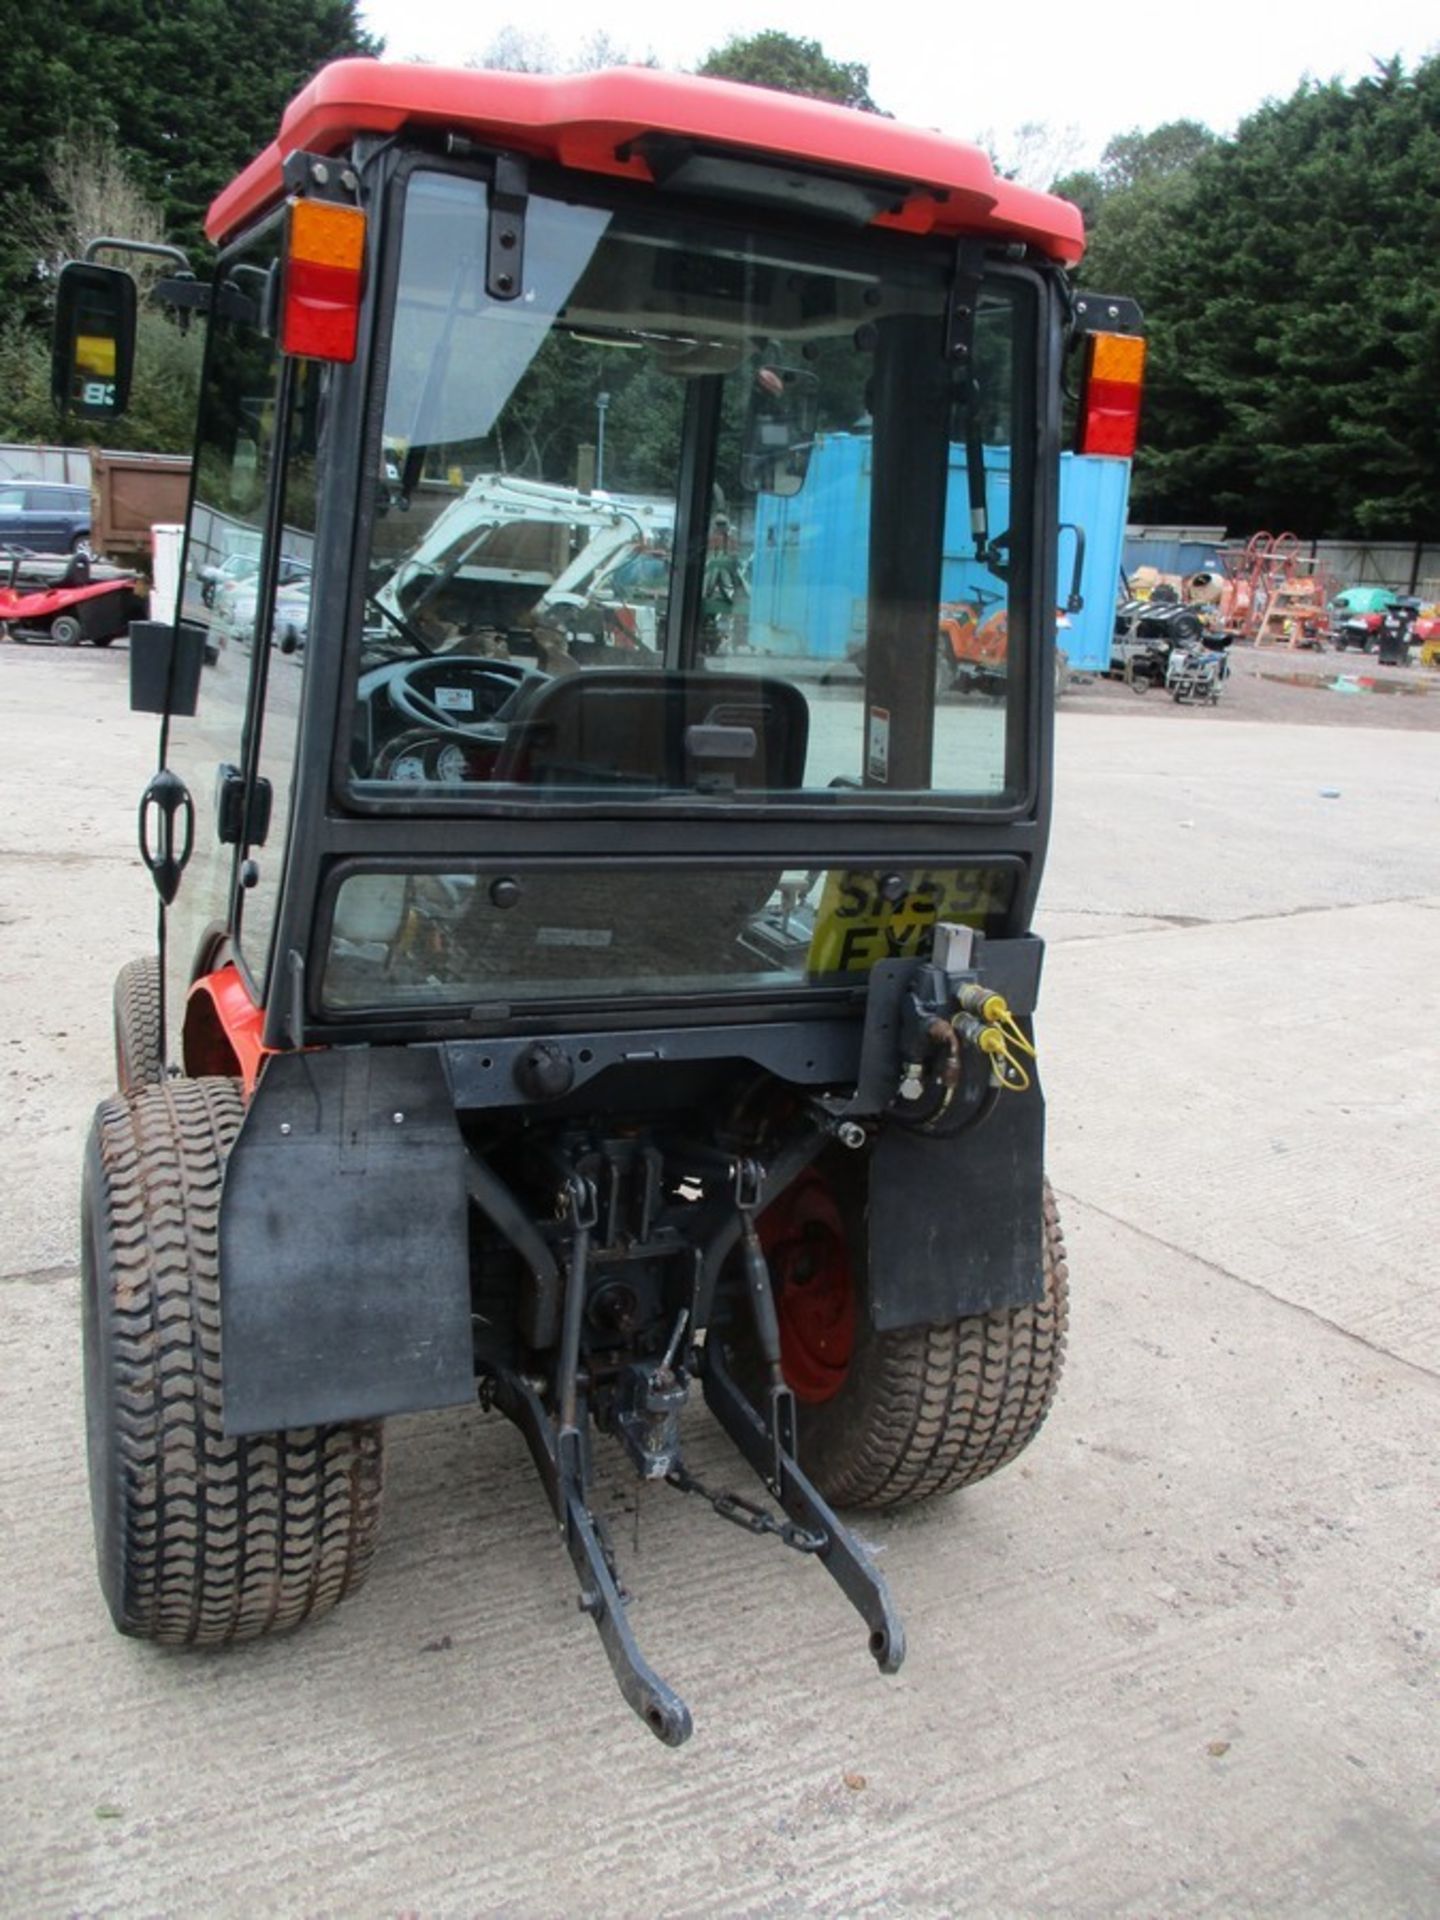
1179 1660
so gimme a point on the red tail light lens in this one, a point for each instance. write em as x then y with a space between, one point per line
324 261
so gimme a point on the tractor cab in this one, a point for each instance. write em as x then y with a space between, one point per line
595 957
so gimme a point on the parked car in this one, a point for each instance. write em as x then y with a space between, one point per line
236 569
44 516
235 613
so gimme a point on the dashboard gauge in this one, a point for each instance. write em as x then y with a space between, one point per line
452 764
410 766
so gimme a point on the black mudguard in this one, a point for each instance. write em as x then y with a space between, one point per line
955 1226
344 1263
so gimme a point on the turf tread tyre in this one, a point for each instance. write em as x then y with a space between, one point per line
137 1025
201 1538
927 1410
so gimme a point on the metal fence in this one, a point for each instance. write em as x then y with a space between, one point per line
69 466
214 536
1404 566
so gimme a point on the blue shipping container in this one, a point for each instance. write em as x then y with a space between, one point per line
810 565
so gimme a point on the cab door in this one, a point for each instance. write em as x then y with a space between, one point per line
205 749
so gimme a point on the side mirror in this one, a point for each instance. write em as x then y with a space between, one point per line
780 422
94 344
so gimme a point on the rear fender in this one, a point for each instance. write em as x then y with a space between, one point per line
956 1226
344 1250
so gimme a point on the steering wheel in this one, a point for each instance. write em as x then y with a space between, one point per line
505 678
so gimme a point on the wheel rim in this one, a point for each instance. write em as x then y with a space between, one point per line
804 1240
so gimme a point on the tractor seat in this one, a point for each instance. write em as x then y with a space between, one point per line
652 731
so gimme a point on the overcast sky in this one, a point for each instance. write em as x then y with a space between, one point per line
984 69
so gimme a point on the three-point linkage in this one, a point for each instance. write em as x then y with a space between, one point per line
641 1403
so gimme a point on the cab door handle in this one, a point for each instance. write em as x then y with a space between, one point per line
166 798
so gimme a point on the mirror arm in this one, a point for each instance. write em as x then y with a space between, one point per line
1075 599
109 243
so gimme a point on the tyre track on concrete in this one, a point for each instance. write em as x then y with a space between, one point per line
1259 1094
1172 923
1256 1286
42 1276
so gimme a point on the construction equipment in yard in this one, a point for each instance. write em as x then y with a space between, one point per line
1270 601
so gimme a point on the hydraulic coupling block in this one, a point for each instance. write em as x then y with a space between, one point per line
986 1022
945 1010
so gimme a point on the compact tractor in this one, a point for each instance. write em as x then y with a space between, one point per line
588 1021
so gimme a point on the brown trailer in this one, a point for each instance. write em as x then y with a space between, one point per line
131 493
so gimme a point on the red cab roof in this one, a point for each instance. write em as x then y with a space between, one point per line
588 121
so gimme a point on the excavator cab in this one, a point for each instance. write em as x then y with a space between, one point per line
595 968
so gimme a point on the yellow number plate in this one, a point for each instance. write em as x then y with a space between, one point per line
855 925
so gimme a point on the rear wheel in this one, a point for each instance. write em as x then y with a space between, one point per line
137 1025
889 1419
201 1538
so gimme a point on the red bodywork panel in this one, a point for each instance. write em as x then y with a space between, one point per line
588 120
241 1023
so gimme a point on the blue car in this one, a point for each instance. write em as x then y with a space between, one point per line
44 516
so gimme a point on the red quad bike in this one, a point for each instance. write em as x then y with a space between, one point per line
65 599
585 1030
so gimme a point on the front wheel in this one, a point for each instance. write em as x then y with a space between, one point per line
66 631
889 1419
201 1537
138 1060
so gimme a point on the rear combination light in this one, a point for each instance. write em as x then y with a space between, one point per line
1110 396
324 261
